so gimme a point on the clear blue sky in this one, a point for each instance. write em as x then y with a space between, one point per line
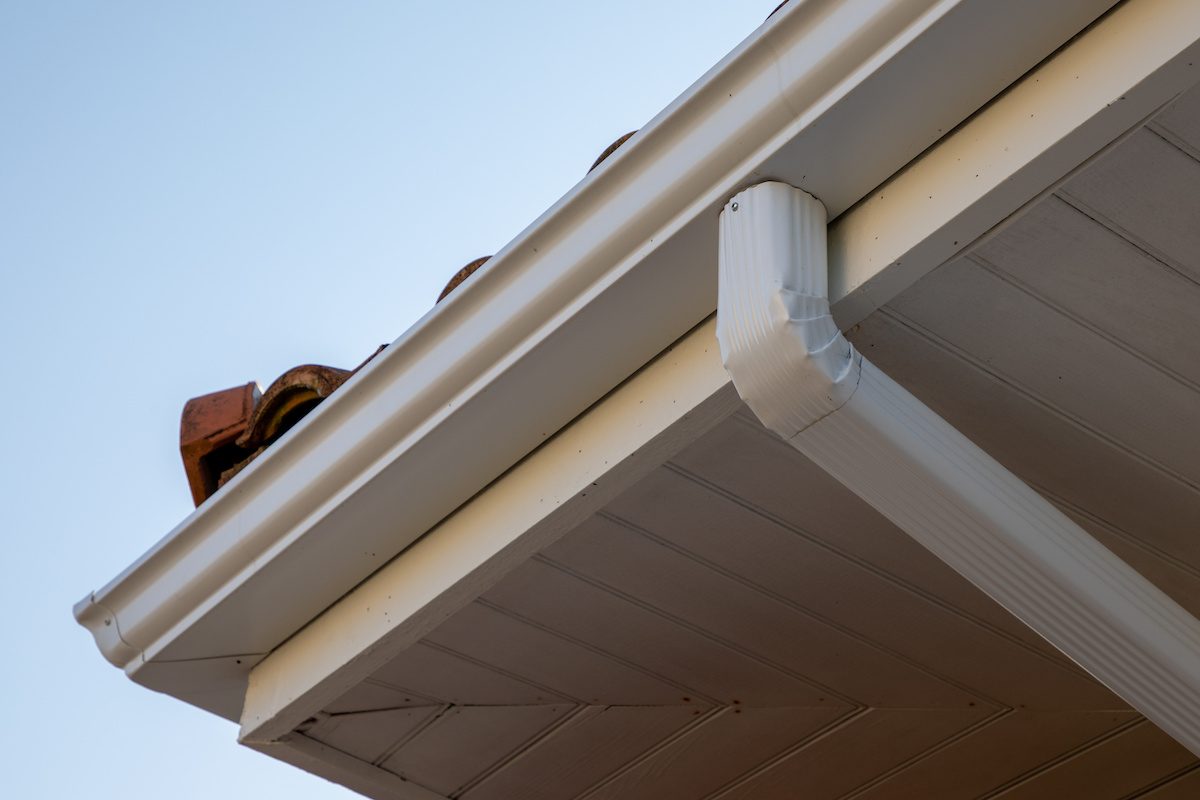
193 195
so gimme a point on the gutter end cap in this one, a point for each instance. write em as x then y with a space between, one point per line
102 624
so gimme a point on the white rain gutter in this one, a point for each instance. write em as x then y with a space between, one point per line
532 341
806 382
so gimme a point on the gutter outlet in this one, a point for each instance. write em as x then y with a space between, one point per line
806 382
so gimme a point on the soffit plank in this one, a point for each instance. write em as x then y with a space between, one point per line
1062 364
731 744
371 696
1046 450
1088 272
1183 787
1147 193
342 768
682 587
449 677
466 742
631 631
370 735
1179 123
1118 766
490 636
585 751
864 749
752 466
1017 742
811 575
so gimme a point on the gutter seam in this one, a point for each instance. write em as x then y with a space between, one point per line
857 382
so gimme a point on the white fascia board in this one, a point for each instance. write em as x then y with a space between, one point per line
346 644
532 340
805 381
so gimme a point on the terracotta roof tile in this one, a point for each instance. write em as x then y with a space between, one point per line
612 148
461 276
222 432
288 400
208 431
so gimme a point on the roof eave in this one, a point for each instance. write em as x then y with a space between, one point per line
530 340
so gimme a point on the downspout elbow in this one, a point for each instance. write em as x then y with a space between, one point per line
779 342
805 382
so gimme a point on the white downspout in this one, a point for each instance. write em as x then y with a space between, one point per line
805 381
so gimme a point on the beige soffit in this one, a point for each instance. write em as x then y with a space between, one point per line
1090 93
